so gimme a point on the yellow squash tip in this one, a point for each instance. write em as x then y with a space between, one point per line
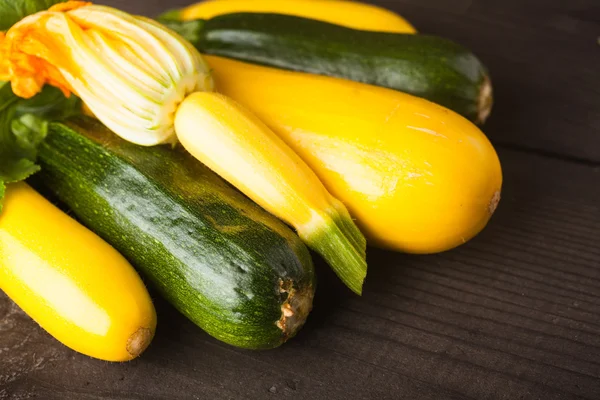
494 202
139 341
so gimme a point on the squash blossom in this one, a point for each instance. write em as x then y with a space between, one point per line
131 72
150 86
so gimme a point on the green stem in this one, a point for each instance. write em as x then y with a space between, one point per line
349 228
342 246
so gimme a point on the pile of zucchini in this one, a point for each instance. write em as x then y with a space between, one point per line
386 118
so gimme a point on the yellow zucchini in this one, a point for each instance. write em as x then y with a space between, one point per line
70 281
346 13
416 176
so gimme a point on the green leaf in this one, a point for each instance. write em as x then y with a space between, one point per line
12 11
24 126
17 155
29 131
50 104
17 169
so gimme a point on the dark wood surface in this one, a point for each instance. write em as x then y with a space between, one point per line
514 314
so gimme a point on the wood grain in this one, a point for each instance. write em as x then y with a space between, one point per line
514 314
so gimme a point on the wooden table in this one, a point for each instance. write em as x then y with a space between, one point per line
514 314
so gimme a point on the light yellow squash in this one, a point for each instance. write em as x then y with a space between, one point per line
71 282
417 177
347 13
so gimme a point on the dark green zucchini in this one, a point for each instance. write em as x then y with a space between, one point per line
222 261
431 67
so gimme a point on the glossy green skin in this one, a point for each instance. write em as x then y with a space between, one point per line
212 253
426 66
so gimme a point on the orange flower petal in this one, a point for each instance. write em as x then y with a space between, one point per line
30 55
4 64
69 5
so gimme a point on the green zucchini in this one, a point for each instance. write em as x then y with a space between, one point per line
222 261
431 67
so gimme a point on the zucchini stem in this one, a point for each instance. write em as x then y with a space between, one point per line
296 307
349 228
342 246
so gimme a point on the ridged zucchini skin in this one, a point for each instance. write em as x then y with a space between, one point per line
222 261
431 67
